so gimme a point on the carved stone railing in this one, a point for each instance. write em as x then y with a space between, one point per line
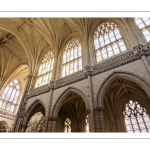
77 76
7 114
39 90
110 63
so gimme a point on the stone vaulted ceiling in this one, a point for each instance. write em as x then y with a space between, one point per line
25 41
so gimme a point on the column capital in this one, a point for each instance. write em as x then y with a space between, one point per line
98 108
88 111
52 119
88 70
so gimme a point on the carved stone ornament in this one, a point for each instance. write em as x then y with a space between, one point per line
105 65
7 114
52 119
88 111
99 108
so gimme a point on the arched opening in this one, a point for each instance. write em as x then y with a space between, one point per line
72 114
36 119
117 101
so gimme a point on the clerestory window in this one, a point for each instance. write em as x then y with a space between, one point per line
10 96
72 58
45 70
108 41
144 26
136 117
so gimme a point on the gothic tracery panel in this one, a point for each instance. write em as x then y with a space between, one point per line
136 117
108 41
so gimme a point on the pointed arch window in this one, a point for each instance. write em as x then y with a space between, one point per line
144 26
45 70
67 125
10 96
108 41
136 117
72 58
87 124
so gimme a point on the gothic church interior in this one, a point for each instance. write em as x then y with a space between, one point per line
75 75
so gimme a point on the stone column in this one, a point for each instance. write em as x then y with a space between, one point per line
51 124
99 119
88 72
22 111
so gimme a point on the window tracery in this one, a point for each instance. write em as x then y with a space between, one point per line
144 26
136 118
45 70
10 96
108 41
67 125
72 58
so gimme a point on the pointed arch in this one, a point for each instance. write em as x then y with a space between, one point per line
64 95
127 75
33 106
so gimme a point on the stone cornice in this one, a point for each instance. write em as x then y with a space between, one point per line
75 77
110 63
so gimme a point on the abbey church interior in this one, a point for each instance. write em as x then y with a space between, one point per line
75 75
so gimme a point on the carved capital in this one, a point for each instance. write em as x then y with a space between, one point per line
99 108
142 50
88 70
51 84
88 111
52 119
